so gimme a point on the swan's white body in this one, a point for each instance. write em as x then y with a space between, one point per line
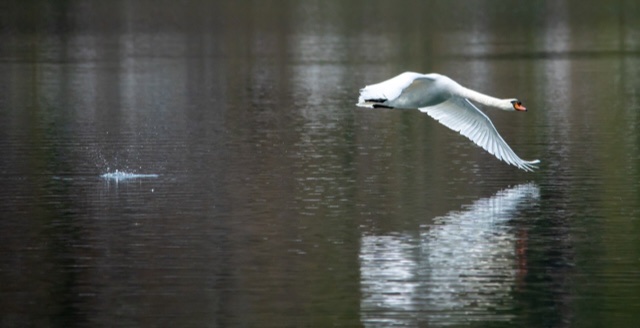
448 102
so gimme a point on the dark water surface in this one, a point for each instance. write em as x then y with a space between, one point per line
265 198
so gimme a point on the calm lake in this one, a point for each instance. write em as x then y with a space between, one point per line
203 164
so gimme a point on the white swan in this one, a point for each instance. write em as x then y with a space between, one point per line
448 102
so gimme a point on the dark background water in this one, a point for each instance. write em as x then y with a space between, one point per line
278 202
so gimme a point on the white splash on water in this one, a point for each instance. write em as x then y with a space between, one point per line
119 176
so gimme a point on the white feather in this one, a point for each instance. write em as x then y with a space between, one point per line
462 116
389 89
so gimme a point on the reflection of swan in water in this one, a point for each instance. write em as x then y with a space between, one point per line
461 269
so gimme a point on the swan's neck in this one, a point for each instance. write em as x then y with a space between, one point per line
482 98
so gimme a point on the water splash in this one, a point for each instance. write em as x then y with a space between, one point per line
120 176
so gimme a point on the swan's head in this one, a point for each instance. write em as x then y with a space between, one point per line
515 104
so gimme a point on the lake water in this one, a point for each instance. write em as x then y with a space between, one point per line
202 164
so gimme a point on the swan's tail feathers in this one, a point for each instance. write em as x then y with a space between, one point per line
365 104
372 103
369 101
375 95
370 96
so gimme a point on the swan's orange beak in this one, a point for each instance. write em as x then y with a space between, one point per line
518 106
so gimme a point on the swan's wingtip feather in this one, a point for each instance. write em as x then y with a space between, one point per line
529 166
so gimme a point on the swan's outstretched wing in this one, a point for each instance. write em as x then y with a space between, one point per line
462 116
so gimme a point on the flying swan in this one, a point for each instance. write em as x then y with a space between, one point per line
449 103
